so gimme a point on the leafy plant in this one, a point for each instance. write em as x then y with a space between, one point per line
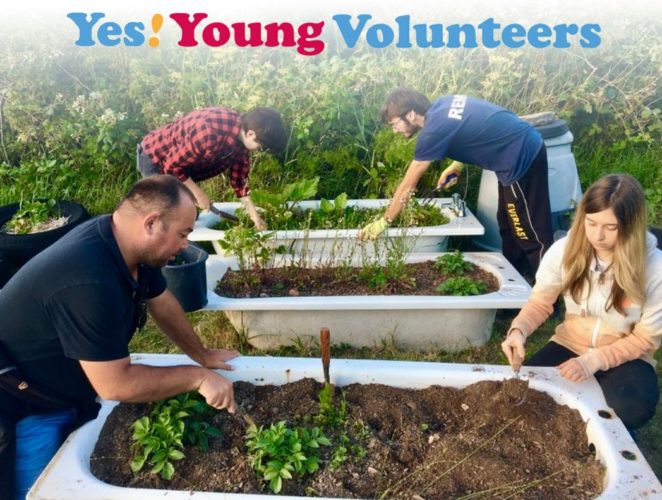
279 453
461 286
251 247
329 414
452 264
31 216
159 438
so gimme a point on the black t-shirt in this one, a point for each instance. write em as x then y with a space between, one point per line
74 301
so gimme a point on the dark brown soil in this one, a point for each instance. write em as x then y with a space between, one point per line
414 279
434 443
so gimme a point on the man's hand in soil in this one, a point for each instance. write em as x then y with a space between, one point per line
216 358
218 392
573 370
374 229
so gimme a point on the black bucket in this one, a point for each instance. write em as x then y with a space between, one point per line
187 279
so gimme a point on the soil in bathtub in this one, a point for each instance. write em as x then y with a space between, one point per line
385 442
450 274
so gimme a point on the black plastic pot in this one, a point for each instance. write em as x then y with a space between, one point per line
19 248
187 280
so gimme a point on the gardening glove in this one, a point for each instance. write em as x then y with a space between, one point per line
450 175
251 210
374 229
513 347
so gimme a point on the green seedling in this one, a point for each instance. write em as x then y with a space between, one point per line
280 453
160 437
453 264
462 286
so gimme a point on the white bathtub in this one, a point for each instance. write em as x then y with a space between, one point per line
413 322
628 475
343 242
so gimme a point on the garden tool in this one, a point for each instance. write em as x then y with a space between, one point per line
517 365
325 344
428 194
243 414
224 215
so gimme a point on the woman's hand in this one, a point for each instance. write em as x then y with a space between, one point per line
513 347
572 370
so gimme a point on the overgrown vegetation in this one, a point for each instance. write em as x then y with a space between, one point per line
71 117
281 208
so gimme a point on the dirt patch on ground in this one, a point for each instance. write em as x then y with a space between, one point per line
434 443
409 279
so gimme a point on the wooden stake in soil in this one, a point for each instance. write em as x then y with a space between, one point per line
325 345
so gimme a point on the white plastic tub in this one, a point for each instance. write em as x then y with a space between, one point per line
343 242
413 322
628 475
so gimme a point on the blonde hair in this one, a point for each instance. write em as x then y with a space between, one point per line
624 195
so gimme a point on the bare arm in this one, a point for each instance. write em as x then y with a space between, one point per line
120 380
171 319
408 185
201 198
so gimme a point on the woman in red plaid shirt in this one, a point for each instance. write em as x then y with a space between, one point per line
210 141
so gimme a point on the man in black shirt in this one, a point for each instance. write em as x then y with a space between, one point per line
70 312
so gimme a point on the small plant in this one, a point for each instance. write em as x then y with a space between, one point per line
330 415
461 286
160 437
32 216
279 453
251 247
452 264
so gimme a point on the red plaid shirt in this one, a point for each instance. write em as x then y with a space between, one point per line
200 145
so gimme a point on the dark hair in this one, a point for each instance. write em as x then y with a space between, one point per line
267 123
161 193
401 101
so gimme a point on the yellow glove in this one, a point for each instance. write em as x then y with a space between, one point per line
374 229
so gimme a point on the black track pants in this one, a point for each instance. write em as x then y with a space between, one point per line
525 218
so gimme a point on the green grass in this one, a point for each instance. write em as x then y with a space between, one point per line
216 331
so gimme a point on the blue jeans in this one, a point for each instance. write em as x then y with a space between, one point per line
38 437
630 389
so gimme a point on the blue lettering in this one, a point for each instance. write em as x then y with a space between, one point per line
349 34
590 37
511 33
536 35
373 38
134 34
109 34
85 27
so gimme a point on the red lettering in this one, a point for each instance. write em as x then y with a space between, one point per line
216 34
187 26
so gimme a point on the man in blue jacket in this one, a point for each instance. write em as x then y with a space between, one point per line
470 130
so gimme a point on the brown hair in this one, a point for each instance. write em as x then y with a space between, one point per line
267 123
401 101
624 195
